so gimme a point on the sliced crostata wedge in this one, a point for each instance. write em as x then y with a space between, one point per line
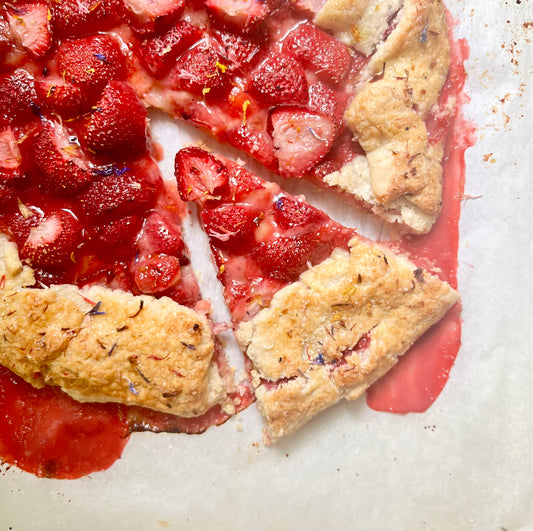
320 312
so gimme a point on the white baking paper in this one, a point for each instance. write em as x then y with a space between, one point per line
465 464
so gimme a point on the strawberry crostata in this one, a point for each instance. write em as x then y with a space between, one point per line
99 305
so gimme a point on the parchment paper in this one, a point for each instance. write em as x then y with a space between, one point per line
466 464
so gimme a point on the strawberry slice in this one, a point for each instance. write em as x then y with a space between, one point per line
78 17
147 17
256 143
160 236
200 71
279 79
58 157
8 197
18 99
60 97
311 7
91 62
289 213
117 237
160 52
200 174
301 139
156 273
239 51
5 37
285 257
52 242
30 25
117 195
233 226
239 15
328 102
117 126
329 58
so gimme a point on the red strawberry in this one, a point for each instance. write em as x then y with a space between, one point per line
91 62
301 139
328 57
22 220
160 236
156 273
147 17
241 182
279 79
51 243
327 102
240 15
117 237
200 175
289 212
200 70
5 37
79 17
238 51
285 257
160 52
30 25
231 225
257 143
117 126
60 97
61 163
118 195
18 99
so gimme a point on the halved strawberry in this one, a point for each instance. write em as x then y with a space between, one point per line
161 236
301 139
117 195
257 143
62 166
117 126
160 52
116 237
200 174
53 241
30 25
328 102
18 99
8 197
289 213
91 62
22 220
328 57
78 17
156 273
240 15
285 257
5 37
60 97
279 79
239 51
232 226
147 17
200 70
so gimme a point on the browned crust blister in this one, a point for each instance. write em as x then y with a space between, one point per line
401 178
103 345
337 330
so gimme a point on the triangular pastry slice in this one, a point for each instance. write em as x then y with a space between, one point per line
320 311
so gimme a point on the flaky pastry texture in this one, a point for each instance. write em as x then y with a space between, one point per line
336 330
103 345
400 86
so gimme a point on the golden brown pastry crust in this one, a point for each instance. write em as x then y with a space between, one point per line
303 347
399 86
103 345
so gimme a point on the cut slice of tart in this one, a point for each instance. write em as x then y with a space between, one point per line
320 311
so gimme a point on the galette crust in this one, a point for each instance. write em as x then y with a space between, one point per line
399 86
334 332
103 345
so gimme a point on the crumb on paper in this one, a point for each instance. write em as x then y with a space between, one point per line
163 523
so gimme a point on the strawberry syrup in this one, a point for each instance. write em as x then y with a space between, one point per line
419 377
